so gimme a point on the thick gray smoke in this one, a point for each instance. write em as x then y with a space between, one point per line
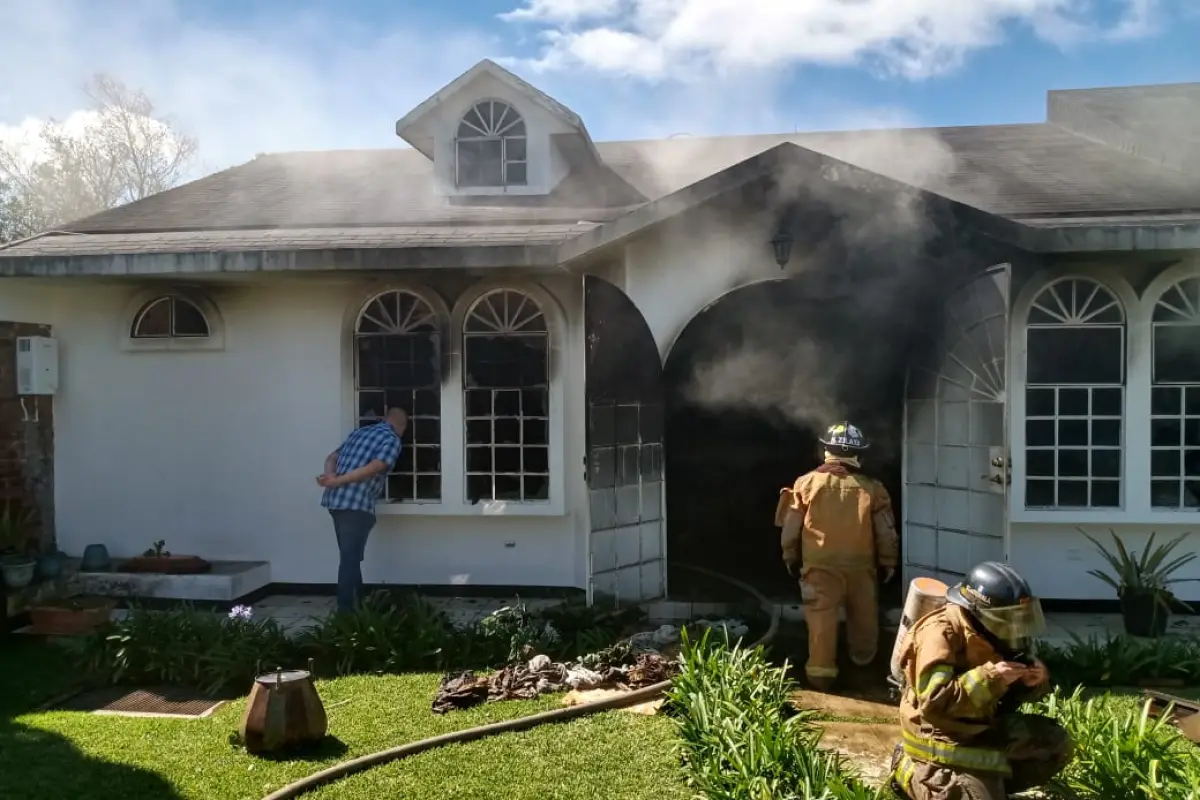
813 349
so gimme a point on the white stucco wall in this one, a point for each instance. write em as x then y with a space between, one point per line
216 451
682 266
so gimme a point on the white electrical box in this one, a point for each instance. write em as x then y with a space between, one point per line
37 365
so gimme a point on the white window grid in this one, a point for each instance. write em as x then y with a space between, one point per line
398 329
497 123
507 442
1074 433
1175 408
173 305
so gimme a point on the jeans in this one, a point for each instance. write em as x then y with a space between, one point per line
352 529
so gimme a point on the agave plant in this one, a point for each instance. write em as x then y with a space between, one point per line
1146 576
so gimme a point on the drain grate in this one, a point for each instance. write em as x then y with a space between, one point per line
156 702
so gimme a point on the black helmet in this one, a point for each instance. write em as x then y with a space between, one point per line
1000 600
842 438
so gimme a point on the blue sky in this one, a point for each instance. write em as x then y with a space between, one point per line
270 75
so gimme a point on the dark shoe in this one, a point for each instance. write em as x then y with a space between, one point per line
820 684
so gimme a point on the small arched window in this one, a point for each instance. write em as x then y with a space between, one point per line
397 363
506 385
1075 396
169 317
1175 398
490 146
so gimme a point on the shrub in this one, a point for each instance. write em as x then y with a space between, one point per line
740 737
383 634
184 646
1123 661
1121 752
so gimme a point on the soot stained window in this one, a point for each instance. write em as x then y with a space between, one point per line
169 317
506 385
398 364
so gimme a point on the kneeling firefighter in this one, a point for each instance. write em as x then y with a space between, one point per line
838 529
968 666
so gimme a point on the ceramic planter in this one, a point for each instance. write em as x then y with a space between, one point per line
49 566
95 559
71 617
17 571
1144 615
167 565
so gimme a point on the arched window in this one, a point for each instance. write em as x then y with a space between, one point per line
490 146
506 383
1175 398
1075 397
169 317
397 343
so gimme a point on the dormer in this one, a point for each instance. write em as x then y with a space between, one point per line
490 133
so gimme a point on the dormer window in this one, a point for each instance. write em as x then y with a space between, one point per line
490 147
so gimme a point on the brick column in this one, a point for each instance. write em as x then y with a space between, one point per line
26 437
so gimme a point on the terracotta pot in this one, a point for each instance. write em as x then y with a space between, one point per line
167 565
71 617
284 711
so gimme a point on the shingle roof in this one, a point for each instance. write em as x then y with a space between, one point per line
1014 171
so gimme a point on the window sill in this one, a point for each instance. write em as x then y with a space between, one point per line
491 509
1116 516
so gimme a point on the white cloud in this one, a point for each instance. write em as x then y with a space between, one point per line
915 39
304 81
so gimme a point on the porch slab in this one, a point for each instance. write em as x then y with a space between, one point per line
228 581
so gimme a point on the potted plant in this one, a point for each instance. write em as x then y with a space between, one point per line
158 559
16 565
1143 583
70 616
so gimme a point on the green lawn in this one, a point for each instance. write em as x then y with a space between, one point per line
52 755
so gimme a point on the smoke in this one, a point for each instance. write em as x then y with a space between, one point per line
830 338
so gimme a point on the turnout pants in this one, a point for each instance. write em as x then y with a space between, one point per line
825 591
1038 749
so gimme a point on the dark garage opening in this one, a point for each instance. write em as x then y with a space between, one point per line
725 465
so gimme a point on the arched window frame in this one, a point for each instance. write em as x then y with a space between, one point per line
412 322
488 123
1021 412
1161 415
143 301
555 322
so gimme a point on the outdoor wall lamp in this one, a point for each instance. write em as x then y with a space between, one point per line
781 243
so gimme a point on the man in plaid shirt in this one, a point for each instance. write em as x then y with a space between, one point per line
353 480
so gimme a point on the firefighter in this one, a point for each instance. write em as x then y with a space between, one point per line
968 667
838 529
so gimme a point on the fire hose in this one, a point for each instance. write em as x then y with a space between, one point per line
636 697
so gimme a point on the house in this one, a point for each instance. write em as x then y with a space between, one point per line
615 353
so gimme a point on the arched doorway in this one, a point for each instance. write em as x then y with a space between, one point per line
749 384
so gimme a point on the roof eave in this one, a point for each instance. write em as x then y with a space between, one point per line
165 264
577 251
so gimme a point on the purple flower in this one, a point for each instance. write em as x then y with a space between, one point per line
241 612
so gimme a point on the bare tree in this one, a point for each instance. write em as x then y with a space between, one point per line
122 151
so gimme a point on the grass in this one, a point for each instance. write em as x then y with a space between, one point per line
67 754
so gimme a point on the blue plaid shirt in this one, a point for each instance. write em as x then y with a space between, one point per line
378 441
